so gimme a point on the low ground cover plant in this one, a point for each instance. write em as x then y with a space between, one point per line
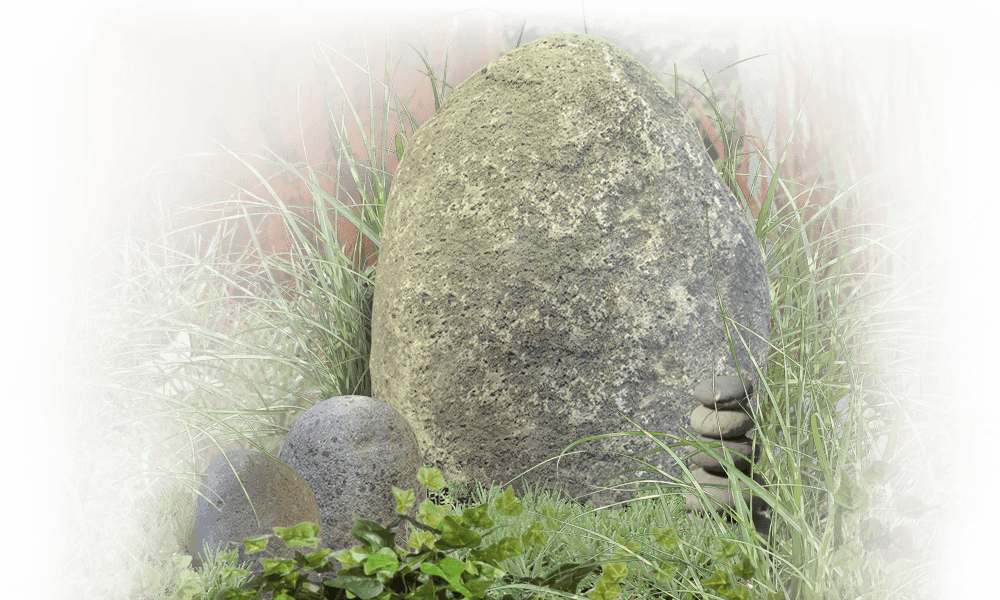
431 567
188 353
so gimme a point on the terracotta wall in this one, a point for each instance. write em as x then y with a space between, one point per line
157 85
206 87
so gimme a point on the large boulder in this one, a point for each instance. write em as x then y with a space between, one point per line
352 450
246 493
552 251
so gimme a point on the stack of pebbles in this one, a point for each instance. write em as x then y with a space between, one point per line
724 414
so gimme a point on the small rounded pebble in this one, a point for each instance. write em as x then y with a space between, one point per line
724 424
721 496
740 450
723 392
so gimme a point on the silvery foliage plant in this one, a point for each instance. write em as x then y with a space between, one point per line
842 404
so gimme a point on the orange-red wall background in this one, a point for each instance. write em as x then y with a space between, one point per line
191 87
210 88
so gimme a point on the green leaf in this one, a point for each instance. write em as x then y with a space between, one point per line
422 538
910 506
303 534
431 513
477 517
849 556
564 578
452 566
404 499
606 587
744 570
719 581
665 537
399 145
729 549
899 543
430 477
456 535
872 531
507 505
500 551
256 543
879 472
383 559
533 536
849 496
551 515
362 587
820 452
372 533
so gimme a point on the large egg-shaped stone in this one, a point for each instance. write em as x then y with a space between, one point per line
558 251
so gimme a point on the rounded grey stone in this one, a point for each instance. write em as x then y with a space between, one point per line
723 392
549 262
742 446
223 512
721 497
724 424
352 450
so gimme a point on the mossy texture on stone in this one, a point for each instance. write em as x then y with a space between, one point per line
550 255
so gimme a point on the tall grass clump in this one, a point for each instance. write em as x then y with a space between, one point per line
203 341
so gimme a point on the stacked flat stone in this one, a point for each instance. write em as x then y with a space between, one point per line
724 414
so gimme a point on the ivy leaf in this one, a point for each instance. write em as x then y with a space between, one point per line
848 557
899 545
909 506
551 516
874 534
664 537
718 581
533 536
879 472
850 497
507 504
744 570
729 549
431 477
